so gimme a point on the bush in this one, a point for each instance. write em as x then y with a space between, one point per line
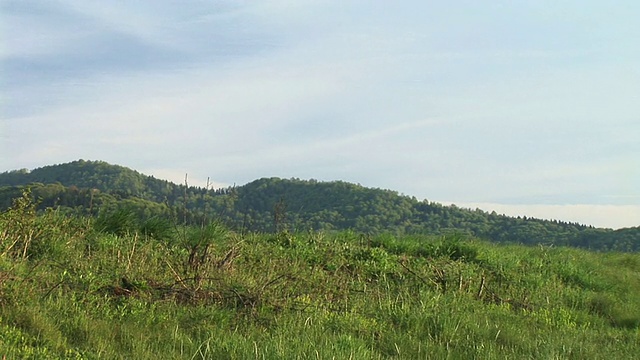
452 249
449 246
25 234
121 221
157 228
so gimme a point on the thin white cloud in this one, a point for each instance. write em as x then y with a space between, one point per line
142 20
533 103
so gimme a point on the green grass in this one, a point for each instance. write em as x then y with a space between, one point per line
209 293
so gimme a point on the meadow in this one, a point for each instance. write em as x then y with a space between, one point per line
80 288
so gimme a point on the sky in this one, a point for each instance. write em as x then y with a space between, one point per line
523 107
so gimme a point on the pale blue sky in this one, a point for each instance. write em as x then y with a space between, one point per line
528 107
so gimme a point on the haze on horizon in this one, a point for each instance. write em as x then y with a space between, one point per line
526 108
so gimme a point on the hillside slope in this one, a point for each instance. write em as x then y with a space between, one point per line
70 290
273 204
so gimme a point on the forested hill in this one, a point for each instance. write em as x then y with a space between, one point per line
273 204
98 175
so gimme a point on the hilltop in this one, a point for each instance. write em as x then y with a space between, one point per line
274 204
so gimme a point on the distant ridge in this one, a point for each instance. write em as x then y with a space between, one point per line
274 204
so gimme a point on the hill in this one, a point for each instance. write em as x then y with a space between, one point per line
274 204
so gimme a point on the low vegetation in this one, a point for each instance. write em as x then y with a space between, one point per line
90 187
117 287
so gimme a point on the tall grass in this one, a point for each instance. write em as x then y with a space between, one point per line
86 292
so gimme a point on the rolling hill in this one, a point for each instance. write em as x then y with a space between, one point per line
274 204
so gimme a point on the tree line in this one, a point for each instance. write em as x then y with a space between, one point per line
274 204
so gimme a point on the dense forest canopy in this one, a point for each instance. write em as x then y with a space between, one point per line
274 204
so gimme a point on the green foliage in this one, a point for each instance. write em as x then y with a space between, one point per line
158 228
450 246
24 234
18 226
126 221
122 221
275 205
209 292
333 270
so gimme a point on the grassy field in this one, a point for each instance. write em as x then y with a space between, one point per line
71 289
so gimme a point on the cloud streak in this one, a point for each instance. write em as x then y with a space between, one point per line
517 103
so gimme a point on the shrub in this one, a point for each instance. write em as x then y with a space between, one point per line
121 221
158 228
